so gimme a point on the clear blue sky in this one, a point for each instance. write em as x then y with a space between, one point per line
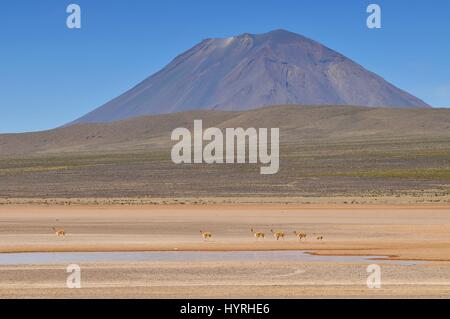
50 75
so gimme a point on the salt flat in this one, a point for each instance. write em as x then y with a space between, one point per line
401 232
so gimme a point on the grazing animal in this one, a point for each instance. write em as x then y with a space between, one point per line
277 234
300 235
258 234
205 235
59 232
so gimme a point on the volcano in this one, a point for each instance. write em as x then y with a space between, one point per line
252 71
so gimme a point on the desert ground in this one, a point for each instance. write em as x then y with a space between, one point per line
371 181
419 234
327 152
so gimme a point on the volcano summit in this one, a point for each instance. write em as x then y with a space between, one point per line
251 71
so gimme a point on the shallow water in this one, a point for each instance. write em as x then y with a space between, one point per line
186 256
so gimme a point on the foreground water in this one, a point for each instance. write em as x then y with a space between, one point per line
186 256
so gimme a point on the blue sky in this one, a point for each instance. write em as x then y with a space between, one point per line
50 75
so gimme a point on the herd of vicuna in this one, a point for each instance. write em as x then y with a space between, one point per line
261 235
207 235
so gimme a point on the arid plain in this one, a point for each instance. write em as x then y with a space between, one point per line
419 235
372 182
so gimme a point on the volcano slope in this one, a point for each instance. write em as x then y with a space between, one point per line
325 152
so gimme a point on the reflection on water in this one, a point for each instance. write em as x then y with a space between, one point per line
186 256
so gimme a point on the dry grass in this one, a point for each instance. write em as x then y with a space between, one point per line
325 152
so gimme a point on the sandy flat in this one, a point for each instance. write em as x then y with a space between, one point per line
225 280
401 232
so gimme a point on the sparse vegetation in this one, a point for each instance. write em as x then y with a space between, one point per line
37 169
418 173
328 160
